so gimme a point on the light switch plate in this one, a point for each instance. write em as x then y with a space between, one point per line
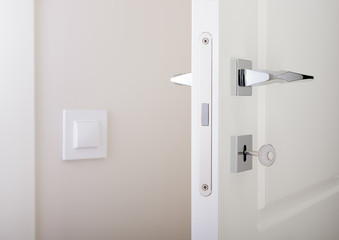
239 163
84 134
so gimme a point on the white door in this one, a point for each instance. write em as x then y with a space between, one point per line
296 197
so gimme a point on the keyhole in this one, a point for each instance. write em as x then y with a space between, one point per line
244 154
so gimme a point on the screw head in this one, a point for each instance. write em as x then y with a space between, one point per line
204 187
205 41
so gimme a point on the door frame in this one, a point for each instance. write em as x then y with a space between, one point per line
17 132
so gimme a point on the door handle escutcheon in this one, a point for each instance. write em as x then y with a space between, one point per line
245 77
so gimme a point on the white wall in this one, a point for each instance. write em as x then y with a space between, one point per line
119 56
17 120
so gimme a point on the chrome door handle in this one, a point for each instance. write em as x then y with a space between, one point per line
182 79
246 77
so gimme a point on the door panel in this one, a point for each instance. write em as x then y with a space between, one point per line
302 118
297 197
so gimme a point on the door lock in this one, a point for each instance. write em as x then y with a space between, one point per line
242 153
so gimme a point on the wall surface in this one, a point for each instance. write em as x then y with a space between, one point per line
17 186
119 56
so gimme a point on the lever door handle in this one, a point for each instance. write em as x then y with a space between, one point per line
182 79
245 77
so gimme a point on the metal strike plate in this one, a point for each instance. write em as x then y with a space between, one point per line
239 90
239 161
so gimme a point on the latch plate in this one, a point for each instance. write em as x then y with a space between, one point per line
205 111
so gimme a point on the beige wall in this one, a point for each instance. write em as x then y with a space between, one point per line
119 56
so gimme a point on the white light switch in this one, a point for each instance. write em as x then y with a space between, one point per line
84 134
